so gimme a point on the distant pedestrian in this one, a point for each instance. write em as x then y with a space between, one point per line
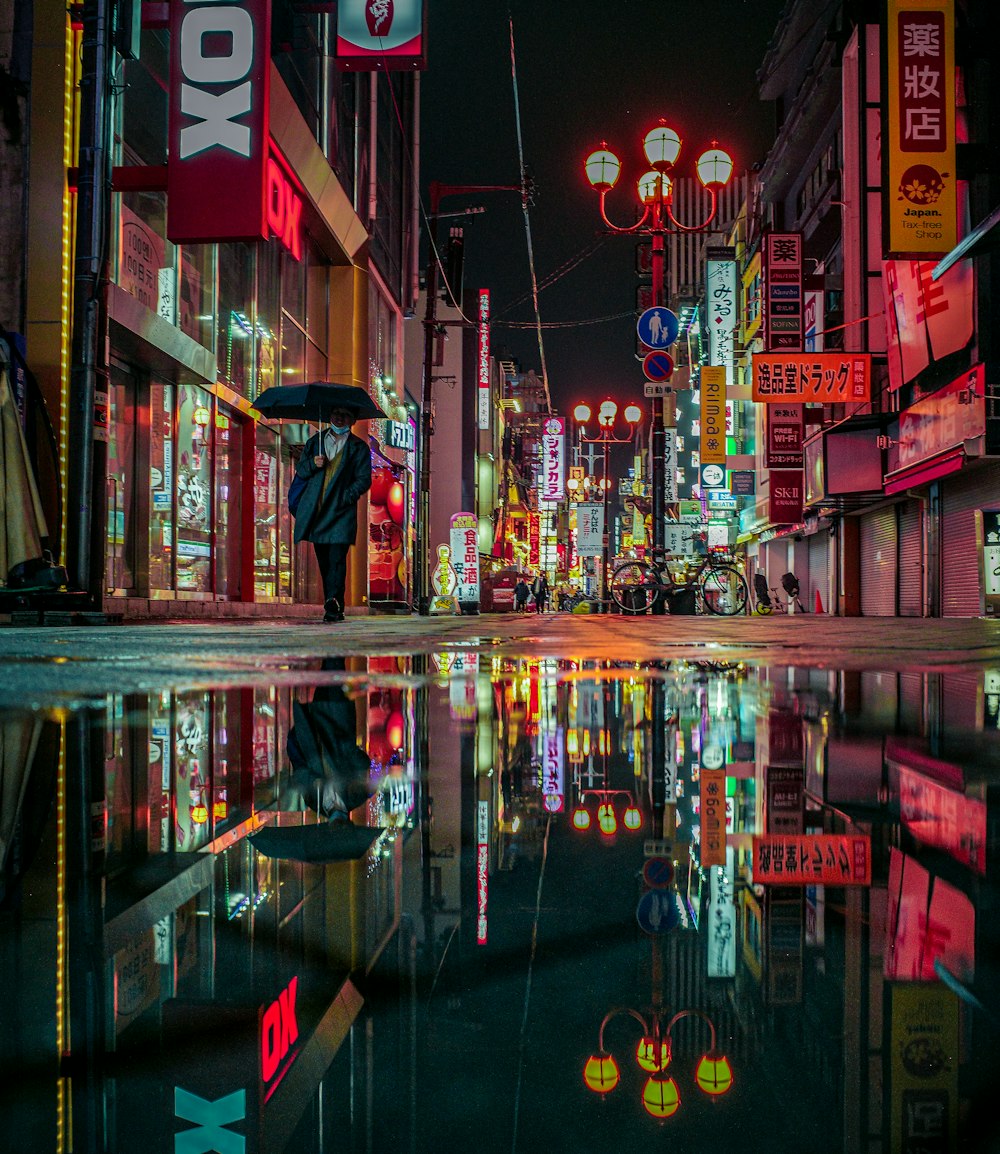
521 592
540 591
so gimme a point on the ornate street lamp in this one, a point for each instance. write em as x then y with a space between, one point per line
661 1096
606 436
714 167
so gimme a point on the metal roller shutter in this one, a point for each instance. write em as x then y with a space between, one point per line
911 560
960 498
819 572
878 563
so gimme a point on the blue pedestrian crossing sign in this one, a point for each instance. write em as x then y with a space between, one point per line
657 912
658 328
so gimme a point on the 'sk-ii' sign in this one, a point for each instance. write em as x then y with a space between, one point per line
217 178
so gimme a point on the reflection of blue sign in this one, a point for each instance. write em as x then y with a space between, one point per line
658 872
657 912
658 328
657 366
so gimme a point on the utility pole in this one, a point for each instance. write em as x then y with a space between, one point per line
423 546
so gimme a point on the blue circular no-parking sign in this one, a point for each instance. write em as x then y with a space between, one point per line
657 366
658 327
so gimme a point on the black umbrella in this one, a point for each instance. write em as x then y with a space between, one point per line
315 402
322 842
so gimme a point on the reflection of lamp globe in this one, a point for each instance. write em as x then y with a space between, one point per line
661 1097
601 1073
714 1074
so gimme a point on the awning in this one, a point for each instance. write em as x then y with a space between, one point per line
925 472
984 237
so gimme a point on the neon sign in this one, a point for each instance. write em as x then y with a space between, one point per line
279 1031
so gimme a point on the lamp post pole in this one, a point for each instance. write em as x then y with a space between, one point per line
423 544
606 539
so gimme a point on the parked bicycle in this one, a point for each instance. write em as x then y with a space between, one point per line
717 585
768 599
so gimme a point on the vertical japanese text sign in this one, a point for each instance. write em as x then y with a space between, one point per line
553 464
465 557
720 294
220 61
483 359
920 204
783 291
713 817
713 415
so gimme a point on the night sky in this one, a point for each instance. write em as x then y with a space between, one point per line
587 71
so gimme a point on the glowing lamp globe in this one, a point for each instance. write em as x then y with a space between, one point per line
661 1097
607 412
645 1054
715 167
582 414
199 814
606 819
602 168
581 818
633 414
714 1074
632 818
601 1073
396 502
652 183
661 146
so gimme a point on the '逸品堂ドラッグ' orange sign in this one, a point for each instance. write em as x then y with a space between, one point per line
812 859
830 378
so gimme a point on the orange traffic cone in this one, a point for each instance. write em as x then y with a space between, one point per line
819 603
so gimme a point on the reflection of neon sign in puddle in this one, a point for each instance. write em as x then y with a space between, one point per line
279 1032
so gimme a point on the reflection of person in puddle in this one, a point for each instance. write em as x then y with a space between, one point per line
330 773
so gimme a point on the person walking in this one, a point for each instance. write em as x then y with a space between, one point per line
333 474
540 590
521 592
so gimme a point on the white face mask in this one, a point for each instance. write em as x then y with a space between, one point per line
339 430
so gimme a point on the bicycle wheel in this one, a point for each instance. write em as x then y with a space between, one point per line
724 591
634 587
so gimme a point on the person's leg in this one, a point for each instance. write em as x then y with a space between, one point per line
332 560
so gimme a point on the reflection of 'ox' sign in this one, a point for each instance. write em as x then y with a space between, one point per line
278 1031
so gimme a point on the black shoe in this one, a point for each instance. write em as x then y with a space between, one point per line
333 611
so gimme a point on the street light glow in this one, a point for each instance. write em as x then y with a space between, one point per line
715 166
650 183
662 146
633 414
582 414
602 168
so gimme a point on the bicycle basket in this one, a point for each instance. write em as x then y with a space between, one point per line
760 589
790 584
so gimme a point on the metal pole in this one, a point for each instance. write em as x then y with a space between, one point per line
606 540
423 545
91 227
658 435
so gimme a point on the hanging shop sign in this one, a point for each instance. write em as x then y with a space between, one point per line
483 360
827 378
553 771
721 952
925 317
482 870
589 528
783 291
220 60
944 420
812 859
553 460
924 1041
785 428
785 496
920 204
713 817
713 415
381 34
669 466
465 558
720 304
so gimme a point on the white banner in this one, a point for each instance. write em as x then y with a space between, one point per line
465 556
590 529
553 460
670 465
553 771
483 374
720 296
722 920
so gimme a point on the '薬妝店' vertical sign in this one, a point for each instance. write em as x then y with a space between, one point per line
920 208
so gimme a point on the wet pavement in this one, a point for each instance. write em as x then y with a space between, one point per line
410 884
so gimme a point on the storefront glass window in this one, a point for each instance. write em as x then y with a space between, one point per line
235 347
196 311
286 549
192 755
121 535
268 316
228 480
265 488
161 486
194 489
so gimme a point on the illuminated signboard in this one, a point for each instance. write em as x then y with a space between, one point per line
721 301
283 205
829 378
380 34
713 817
713 415
220 59
483 359
464 540
812 859
482 869
553 771
279 1033
920 203
553 463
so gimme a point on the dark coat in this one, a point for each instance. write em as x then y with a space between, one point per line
336 523
327 763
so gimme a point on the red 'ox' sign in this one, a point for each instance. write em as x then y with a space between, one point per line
218 134
284 209
278 1031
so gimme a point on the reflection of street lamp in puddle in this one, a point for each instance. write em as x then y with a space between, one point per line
660 1095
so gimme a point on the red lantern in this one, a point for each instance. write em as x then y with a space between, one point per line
395 729
381 483
396 502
